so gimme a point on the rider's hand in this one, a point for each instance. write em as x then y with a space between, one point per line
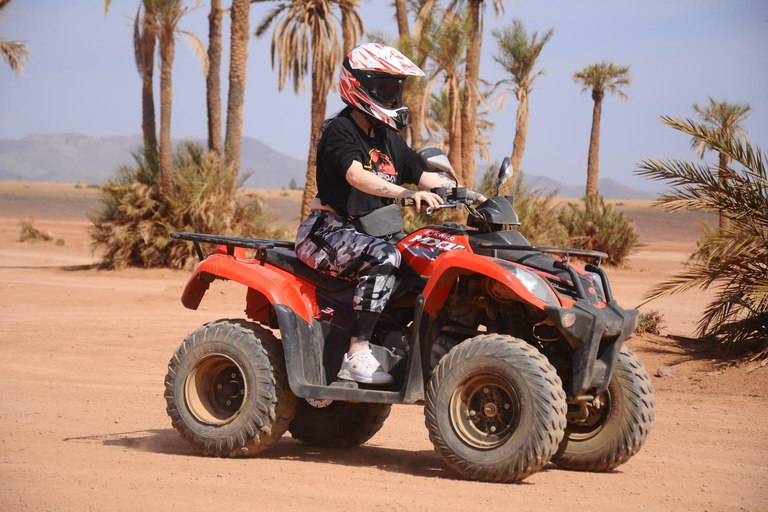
432 200
476 197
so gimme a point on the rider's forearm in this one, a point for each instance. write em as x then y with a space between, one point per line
371 184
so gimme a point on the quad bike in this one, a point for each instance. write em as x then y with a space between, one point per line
515 353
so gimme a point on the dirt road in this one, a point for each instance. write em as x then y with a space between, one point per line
83 354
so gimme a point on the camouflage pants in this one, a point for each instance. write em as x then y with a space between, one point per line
329 242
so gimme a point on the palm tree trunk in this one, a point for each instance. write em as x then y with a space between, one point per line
236 98
521 132
413 99
416 108
401 14
347 31
593 159
319 102
722 175
469 108
213 80
148 126
166 100
454 126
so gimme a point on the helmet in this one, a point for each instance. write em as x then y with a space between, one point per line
372 79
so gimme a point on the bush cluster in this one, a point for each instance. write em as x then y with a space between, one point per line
590 225
133 225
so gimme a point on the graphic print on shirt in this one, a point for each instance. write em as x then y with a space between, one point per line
381 165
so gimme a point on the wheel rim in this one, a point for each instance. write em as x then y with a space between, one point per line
215 390
319 404
595 422
485 411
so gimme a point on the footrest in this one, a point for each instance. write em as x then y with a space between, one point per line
347 384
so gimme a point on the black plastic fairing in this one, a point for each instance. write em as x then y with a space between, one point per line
596 336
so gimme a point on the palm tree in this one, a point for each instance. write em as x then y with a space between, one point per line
169 13
349 27
449 43
735 258
517 55
144 37
727 118
472 78
417 46
14 53
600 78
213 80
307 30
238 56
438 118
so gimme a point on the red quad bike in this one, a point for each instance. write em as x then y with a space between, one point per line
517 356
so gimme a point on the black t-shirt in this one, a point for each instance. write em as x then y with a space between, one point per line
343 142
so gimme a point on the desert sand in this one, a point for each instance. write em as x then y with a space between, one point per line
83 355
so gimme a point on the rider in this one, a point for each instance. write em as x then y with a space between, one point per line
362 163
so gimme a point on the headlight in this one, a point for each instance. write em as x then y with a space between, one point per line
534 284
597 284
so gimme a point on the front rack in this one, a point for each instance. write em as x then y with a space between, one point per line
260 244
566 252
563 265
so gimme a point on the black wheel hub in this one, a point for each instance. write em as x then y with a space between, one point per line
215 390
485 410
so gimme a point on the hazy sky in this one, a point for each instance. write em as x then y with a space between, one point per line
82 78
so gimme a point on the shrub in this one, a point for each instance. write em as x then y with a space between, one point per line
598 227
734 258
29 233
135 221
650 322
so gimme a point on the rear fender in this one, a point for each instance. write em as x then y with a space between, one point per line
457 263
267 285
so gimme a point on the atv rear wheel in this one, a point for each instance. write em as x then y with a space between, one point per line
334 424
227 390
618 428
495 409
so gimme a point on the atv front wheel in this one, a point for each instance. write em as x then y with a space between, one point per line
227 390
495 409
334 424
617 428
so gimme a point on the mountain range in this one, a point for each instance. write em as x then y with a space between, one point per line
72 157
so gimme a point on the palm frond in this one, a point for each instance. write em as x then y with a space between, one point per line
198 49
15 54
733 259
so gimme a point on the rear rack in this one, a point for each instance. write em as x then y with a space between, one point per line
260 244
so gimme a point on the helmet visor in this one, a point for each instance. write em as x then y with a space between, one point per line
388 90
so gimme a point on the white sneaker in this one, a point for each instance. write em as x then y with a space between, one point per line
363 367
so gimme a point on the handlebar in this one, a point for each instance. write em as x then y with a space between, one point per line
454 199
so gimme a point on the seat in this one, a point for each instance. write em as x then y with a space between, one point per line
287 260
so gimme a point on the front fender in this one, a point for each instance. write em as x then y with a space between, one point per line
276 286
452 264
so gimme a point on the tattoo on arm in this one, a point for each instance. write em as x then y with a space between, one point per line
385 190
473 196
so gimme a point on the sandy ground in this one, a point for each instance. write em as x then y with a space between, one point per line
83 354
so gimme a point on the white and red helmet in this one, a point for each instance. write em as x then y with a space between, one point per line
372 79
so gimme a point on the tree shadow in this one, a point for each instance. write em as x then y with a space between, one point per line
421 463
685 348
66 268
